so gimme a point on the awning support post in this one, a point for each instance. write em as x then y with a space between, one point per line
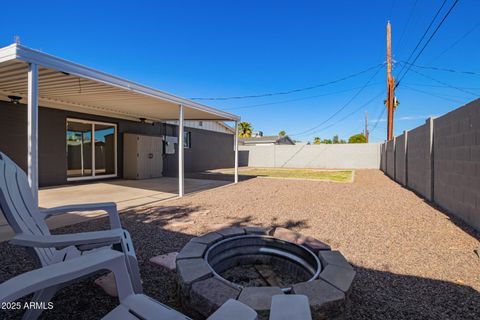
32 134
236 151
180 154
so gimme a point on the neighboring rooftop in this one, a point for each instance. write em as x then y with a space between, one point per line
266 140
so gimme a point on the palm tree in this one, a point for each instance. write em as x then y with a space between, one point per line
316 140
245 130
282 133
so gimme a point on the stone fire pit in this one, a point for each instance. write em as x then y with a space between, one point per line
251 265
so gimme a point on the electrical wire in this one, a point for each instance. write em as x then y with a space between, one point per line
432 94
293 100
428 41
342 107
445 84
291 91
442 69
466 34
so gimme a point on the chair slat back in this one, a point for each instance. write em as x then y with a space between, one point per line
18 205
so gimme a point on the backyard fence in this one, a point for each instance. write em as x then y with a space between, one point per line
322 156
440 160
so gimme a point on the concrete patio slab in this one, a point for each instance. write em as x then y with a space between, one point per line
127 194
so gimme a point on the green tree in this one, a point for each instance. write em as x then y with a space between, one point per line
357 138
327 141
316 140
335 139
282 133
245 129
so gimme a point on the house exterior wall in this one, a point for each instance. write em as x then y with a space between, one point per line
209 149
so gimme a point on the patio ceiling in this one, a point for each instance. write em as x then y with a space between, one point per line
69 86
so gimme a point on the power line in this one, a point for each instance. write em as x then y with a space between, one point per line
342 107
350 114
444 83
441 69
428 41
400 42
466 34
290 91
293 100
425 33
378 120
432 94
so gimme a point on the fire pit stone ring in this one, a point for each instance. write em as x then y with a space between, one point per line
252 264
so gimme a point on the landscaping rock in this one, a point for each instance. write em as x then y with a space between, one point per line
259 299
166 260
335 258
208 238
339 277
208 295
326 301
192 250
298 238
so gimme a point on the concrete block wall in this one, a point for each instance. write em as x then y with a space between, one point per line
440 160
391 158
457 162
419 161
401 158
323 156
383 157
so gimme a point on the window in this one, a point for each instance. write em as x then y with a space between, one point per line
200 123
187 139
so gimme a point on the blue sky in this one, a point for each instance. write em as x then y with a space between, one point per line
236 48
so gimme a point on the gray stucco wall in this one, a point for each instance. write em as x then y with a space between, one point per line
391 158
419 160
209 149
324 156
457 162
401 158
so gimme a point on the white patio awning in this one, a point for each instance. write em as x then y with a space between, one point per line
66 85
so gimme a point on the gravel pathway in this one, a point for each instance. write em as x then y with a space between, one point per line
412 260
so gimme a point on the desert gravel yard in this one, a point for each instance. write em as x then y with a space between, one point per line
412 260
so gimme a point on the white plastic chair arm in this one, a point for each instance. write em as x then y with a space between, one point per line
100 238
109 207
59 273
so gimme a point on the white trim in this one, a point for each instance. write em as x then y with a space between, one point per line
94 176
181 153
32 127
19 52
236 151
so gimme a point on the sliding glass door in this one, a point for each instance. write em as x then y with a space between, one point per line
87 160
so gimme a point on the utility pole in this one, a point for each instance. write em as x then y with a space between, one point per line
366 126
390 86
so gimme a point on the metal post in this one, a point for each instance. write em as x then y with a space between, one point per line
32 133
236 151
180 154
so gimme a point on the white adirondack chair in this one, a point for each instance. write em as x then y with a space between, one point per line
133 306
31 231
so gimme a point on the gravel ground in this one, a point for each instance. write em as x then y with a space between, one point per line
412 260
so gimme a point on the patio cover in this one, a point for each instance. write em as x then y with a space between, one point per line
66 85
41 79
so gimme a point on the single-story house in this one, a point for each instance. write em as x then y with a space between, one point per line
261 140
63 122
